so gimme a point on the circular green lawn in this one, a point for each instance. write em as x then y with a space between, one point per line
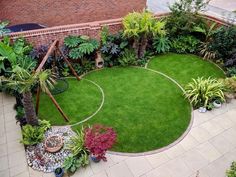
79 101
147 110
185 67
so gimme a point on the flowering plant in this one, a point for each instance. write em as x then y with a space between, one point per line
98 139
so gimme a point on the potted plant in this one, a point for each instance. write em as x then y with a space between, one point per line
98 139
59 172
217 103
210 106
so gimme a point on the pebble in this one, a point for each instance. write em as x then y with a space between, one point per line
41 160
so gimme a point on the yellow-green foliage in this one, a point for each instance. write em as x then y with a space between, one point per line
136 24
230 83
202 91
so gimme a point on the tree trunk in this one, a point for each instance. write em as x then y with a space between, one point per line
143 46
30 113
136 46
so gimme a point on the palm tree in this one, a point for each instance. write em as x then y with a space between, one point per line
22 80
139 27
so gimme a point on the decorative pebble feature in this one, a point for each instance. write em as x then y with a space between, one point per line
40 159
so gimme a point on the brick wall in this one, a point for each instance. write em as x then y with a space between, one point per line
48 35
63 12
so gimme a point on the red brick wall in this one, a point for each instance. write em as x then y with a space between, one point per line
64 12
48 35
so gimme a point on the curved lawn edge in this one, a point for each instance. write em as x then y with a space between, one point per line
170 145
99 108
185 67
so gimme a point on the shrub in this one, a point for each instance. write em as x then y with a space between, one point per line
139 27
127 58
80 46
202 91
185 44
112 46
71 164
76 143
44 125
3 29
224 42
32 135
232 171
161 44
98 139
230 83
231 71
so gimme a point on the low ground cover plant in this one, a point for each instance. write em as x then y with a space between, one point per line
232 171
33 135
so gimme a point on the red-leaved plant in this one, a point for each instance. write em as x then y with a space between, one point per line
98 139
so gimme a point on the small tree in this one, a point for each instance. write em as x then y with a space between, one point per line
22 80
139 27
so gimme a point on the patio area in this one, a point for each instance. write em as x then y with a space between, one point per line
209 148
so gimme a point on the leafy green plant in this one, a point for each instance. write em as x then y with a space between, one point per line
202 91
127 58
3 29
224 42
80 46
140 27
231 71
112 46
185 44
71 164
161 44
76 143
232 171
44 125
230 83
32 135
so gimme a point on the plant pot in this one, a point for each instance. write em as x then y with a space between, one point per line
59 172
202 110
217 104
95 159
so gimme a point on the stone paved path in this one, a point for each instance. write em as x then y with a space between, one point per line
209 147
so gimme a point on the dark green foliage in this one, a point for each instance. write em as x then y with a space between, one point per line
224 42
80 46
127 58
112 46
231 71
185 44
232 171
72 163
184 16
32 135
161 44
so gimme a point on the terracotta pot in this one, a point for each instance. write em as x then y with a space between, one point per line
53 147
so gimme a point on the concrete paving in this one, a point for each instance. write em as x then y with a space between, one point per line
222 9
208 149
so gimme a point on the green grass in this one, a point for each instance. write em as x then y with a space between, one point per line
147 110
183 67
78 102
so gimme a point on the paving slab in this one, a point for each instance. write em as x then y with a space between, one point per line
118 170
138 165
157 159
